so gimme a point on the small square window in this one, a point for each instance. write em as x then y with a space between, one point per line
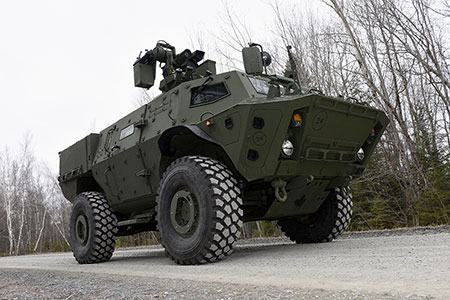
208 93
126 132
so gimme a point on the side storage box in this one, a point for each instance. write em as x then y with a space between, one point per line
77 159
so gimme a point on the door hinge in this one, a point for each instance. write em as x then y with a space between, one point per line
140 124
143 172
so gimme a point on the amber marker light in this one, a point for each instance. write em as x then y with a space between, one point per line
296 120
298 117
209 123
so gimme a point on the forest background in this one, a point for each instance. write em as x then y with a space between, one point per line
391 54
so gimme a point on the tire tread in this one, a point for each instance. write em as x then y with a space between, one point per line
226 210
105 229
341 215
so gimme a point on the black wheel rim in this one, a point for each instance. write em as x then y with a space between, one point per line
308 220
312 219
184 212
82 230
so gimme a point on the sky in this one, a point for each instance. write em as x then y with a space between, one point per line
66 66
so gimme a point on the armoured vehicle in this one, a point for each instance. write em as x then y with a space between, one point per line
213 151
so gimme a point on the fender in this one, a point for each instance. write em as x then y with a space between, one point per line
166 137
168 155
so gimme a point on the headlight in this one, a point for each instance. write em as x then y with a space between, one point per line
360 154
287 148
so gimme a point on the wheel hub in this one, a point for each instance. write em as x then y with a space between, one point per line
82 230
184 212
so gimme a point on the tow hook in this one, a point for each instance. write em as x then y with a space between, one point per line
280 189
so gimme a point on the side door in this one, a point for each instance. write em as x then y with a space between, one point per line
120 160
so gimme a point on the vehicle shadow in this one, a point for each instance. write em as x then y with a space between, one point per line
159 256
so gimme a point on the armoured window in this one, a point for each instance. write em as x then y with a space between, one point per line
127 131
261 86
208 93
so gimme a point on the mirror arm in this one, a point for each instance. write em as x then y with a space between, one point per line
262 51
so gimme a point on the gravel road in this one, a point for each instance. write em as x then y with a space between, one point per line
393 264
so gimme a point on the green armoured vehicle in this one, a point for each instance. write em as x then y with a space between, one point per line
213 151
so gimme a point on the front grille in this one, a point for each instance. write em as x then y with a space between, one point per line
330 150
330 155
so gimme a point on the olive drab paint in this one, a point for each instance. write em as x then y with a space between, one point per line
243 120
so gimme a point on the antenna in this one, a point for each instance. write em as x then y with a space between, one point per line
293 66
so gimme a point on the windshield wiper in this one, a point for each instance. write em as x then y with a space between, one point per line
202 87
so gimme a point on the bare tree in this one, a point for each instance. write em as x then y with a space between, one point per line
143 98
31 203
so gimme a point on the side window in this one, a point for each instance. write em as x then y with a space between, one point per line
208 93
261 86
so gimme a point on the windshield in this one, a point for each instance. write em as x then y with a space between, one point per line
261 86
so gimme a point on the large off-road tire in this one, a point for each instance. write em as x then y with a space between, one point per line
93 226
199 210
332 219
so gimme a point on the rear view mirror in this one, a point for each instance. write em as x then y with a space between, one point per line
253 60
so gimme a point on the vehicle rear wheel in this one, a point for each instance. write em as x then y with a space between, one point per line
199 210
331 220
93 226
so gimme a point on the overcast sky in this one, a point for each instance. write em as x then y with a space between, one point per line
66 66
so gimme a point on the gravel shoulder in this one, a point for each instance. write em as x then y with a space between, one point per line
33 284
397 264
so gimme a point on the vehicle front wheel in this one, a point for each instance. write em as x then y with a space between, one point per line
93 226
199 210
331 220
